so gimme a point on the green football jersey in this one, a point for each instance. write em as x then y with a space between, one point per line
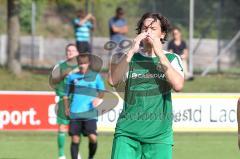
63 66
147 111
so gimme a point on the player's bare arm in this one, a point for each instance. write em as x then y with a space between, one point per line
124 29
60 78
94 22
88 17
66 105
116 29
185 54
116 74
121 30
173 77
96 101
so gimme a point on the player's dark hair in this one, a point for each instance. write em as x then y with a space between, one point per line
119 10
68 45
83 55
176 28
164 23
96 62
80 12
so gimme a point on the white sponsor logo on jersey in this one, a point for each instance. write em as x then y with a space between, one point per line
147 75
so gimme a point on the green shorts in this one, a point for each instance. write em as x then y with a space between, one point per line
61 117
127 148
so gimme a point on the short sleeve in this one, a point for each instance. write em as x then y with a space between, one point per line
116 58
124 22
100 83
89 25
110 23
75 21
184 45
56 73
177 65
170 46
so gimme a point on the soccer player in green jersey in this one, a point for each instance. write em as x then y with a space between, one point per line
144 128
63 69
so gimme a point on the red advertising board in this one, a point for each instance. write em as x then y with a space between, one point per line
29 110
23 110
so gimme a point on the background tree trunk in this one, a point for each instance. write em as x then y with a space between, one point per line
13 31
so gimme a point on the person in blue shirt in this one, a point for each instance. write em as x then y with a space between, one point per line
86 89
83 25
118 26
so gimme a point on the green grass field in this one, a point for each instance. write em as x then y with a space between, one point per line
42 145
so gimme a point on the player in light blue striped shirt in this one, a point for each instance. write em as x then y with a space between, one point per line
83 25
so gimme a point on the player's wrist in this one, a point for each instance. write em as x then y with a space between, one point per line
98 98
159 53
163 63
162 57
63 77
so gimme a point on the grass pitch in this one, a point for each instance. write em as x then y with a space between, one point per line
43 145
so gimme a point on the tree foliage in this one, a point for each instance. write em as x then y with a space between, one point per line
206 14
26 13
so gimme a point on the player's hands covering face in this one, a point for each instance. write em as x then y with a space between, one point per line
156 43
137 40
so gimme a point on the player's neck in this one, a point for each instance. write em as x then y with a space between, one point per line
148 50
177 41
83 71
